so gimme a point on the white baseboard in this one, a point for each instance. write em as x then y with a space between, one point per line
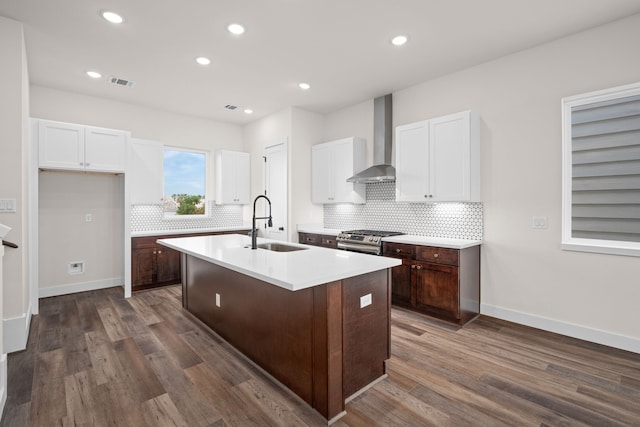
3 382
79 287
15 332
568 329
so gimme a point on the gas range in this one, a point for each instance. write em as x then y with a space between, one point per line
366 241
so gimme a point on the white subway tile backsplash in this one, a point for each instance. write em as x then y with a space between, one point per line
381 212
152 218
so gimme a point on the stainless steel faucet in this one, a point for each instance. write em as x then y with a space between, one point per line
254 231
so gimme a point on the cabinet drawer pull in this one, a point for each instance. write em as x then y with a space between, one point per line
413 266
436 255
159 252
398 250
418 267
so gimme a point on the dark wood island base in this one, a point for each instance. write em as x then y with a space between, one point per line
324 343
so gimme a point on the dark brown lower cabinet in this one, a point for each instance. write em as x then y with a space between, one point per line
440 282
322 240
154 265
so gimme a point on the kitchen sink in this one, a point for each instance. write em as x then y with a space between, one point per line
280 247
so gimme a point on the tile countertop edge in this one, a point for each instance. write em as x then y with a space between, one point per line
441 242
354 264
187 231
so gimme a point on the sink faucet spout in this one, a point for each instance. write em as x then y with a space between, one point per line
254 231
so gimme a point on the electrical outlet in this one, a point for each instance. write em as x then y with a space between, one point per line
217 300
8 205
88 217
365 300
539 222
76 267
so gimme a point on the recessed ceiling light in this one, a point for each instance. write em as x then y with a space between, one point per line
304 86
399 40
203 60
112 17
236 29
94 74
248 111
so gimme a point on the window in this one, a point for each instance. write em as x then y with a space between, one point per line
601 171
184 181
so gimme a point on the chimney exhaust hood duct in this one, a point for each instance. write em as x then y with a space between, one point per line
382 121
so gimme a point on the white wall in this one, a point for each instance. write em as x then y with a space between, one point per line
65 235
525 276
307 129
14 106
356 120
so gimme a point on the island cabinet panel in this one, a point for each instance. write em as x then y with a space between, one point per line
322 240
324 343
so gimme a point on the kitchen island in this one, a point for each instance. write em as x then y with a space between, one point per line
316 319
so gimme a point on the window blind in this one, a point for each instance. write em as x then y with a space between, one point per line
605 160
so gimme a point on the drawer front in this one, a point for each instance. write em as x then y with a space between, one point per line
329 242
398 250
438 255
144 242
309 239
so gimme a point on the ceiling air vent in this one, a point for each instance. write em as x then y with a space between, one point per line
230 107
121 82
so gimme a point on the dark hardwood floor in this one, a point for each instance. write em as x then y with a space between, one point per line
96 359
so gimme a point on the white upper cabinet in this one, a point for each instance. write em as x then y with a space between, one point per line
331 164
438 160
146 172
76 147
233 177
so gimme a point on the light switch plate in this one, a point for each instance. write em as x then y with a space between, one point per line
539 222
7 205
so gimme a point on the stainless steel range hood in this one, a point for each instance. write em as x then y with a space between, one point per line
382 121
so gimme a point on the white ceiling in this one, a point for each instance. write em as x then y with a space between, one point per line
341 47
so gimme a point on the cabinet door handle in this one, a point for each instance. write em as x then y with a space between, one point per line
154 251
418 267
398 251
413 266
87 164
159 252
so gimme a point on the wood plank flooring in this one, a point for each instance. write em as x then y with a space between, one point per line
96 359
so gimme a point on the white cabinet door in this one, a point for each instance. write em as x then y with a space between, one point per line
412 162
146 172
243 177
75 147
105 150
233 177
321 174
438 160
331 164
60 145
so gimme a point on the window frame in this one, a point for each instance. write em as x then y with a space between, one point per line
612 247
173 216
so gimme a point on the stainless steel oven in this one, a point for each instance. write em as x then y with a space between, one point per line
365 241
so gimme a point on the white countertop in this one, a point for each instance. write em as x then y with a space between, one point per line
409 239
440 242
318 229
188 231
290 270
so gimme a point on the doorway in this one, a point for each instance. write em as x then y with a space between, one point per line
276 189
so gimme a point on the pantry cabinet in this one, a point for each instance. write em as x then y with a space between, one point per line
331 164
67 146
440 282
438 160
233 177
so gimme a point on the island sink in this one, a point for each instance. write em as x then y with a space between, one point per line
280 247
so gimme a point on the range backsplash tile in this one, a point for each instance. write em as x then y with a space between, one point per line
152 218
382 212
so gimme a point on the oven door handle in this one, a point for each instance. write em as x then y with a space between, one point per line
374 250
